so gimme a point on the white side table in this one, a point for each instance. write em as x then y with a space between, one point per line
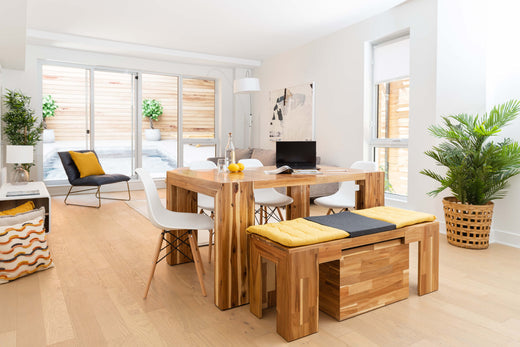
12 195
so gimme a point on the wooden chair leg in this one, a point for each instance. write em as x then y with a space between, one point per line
280 213
261 211
211 232
197 261
157 252
330 211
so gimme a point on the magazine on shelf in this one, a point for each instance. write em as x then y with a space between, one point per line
22 193
288 170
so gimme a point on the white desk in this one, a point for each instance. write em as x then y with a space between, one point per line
42 198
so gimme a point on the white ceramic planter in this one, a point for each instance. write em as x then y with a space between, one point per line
48 135
152 134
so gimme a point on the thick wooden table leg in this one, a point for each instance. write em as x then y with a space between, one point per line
234 212
180 200
371 191
297 291
301 206
428 269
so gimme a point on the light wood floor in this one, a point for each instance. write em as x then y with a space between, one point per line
93 297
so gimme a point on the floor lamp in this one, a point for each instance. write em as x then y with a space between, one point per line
247 85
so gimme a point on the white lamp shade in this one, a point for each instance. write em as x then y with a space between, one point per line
246 85
19 154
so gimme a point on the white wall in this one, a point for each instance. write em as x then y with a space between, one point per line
503 84
463 58
29 82
337 65
461 63
13 23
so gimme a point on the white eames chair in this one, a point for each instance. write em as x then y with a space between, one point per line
206 203
167 220
268 199
345 197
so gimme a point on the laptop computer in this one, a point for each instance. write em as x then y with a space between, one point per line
296 154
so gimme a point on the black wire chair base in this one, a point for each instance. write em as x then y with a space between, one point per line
331 211
271 214
97 195
183 240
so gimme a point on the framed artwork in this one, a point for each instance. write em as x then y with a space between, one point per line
293 113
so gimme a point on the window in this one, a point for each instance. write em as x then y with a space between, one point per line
101 109
389 142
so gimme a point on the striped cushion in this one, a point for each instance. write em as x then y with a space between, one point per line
23 245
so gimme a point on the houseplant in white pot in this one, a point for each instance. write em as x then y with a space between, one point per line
152 109
49 108
21 126
478 170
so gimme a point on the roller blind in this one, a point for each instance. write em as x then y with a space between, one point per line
392 60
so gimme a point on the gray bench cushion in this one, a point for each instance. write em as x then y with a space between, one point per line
352 223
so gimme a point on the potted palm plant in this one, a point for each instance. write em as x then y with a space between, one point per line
49 108
478 170
152 109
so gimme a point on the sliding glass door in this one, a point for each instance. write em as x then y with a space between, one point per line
68 88
113 126
101 109
159 137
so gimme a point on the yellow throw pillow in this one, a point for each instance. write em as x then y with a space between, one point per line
25 207
87 164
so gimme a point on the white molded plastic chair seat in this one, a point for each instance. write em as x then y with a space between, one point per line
345 197
206 203
272 198
267 197
167 220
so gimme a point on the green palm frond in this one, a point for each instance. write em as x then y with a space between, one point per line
478 168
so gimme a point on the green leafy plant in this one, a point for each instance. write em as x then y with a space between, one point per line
49 108
21 127
478 169
152 109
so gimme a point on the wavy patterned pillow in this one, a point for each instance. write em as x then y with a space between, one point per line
23 245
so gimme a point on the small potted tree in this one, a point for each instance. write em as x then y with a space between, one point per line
152 109
49 108
21 126
478 170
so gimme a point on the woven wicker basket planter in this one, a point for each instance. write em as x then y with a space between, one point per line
467 226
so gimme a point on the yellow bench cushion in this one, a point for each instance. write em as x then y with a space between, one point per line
297 232
398 216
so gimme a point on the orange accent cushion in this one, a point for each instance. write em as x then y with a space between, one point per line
25 207
87 163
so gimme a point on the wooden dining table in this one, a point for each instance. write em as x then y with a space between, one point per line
235 210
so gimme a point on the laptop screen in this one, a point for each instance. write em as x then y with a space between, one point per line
296 154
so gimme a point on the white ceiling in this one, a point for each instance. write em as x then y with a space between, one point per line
246 29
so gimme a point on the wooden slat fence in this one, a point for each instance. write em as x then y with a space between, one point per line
70 89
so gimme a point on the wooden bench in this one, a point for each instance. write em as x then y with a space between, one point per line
298 275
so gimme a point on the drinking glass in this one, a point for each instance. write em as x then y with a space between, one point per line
221 165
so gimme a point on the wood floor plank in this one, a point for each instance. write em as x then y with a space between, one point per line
93 297
58 327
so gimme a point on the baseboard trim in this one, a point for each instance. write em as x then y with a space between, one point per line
506 238
502 237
